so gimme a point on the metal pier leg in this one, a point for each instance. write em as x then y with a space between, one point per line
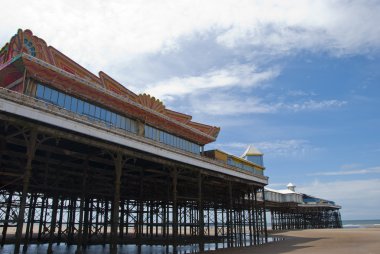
256 225
59 237
53 224
82 210
29 225
86 222
151 219
80 227
71 222
265 217
105 221
140 210
121 225
31 149
216 225
175 209
7 213
116 202
201 213
229 217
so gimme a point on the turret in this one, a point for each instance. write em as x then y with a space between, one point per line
291 187
252 154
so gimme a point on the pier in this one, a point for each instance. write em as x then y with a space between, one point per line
85 161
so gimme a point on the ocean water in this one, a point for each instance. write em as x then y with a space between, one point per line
361 223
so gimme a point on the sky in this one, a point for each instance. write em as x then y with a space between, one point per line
299 80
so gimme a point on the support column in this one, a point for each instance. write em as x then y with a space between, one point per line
140 210
71 220
7 213
105 221
229 217
31 150
118 159
250 215
201 213
265 217
175 208
82 209
256 222
29 224
60 221
53 224
216 225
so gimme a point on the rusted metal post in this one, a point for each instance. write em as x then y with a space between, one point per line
53 224
82 209
140 209
229 217
31 149
71 220
256 222
7 213
86 222
201 213
265 216
175 208
105 221
118 160
216 225
121 224
59 237
32 216
250 215
29 225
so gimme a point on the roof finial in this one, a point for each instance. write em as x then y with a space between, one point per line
291 187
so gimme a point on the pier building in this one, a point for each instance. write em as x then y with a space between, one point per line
84 160
293 210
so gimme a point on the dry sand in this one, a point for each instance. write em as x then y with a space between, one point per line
318 241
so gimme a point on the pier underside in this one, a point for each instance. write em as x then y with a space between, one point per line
293 216
58 186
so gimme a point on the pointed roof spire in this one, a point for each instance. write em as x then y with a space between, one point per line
251 150
291 187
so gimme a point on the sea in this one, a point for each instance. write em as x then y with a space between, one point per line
360 223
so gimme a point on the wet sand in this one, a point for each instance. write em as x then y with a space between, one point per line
318 241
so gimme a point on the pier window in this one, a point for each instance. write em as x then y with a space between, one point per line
98 113
169 139
244 166
92 111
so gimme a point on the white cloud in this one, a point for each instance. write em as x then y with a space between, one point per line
89 30
339 27
350 166
229 104
290 147
359 198
372 170
300 93
277 185
236 76
313 105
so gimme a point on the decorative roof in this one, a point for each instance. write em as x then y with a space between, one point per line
149 109
251 150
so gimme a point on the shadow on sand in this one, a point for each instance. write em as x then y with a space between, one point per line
287 245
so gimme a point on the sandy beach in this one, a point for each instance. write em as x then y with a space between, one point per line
318 241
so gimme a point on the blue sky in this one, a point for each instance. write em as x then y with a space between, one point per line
297 79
